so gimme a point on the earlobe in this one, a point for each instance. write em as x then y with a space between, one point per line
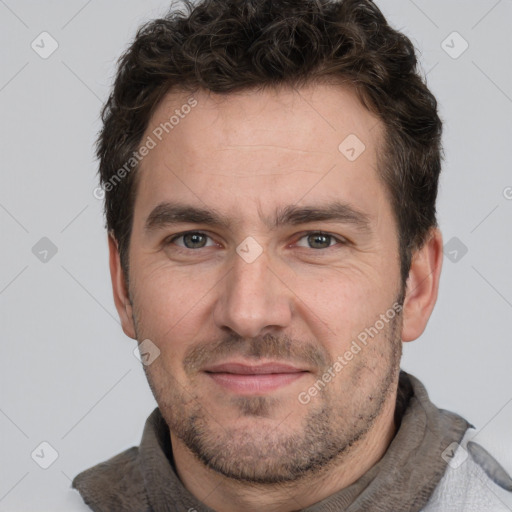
422 286
120 291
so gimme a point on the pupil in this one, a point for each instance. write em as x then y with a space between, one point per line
195 238
320 239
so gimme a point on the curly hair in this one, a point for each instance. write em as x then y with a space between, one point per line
232 45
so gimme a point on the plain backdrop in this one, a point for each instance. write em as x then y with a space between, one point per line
68 376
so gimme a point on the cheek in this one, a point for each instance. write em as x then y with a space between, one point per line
169 304
339 295
338 307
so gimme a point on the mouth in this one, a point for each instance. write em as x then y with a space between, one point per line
246 379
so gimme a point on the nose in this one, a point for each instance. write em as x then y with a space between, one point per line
253 298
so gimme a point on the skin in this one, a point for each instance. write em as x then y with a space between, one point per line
302 301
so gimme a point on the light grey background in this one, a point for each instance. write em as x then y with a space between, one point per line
68 374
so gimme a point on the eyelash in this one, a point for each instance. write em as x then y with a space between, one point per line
341 241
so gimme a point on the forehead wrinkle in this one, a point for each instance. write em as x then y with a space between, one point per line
271 146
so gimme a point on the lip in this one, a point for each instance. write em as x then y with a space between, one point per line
246 379
252 369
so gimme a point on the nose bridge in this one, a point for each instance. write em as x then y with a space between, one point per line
253 298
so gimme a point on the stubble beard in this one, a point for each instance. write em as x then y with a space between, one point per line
267 452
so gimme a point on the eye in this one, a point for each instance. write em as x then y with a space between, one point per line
190 240
197 240
320 240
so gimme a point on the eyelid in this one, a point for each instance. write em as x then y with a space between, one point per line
340 239
176 236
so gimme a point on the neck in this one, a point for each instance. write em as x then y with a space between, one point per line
226 495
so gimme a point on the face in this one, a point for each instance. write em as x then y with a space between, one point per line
264 265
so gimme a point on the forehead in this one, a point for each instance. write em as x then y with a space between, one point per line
333 111
261 146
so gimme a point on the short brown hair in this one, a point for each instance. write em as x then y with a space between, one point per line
231 45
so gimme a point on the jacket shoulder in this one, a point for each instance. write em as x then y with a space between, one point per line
473 481
115 484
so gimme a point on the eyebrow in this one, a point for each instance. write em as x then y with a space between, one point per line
167 214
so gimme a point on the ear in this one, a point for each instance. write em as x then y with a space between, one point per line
422 286
121 296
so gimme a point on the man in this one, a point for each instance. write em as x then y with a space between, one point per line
270 171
